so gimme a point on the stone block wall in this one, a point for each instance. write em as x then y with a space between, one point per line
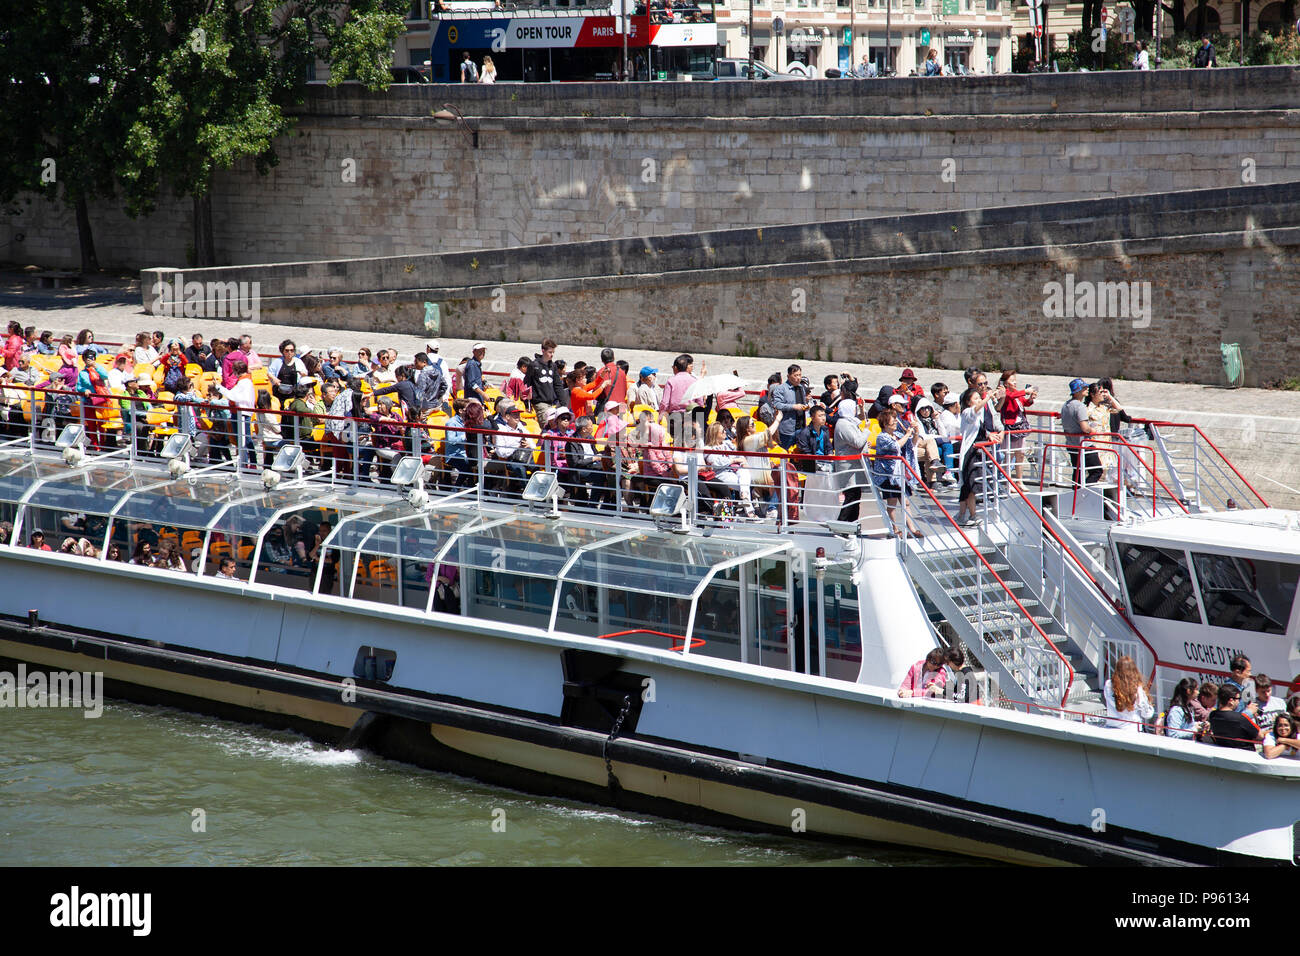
566 162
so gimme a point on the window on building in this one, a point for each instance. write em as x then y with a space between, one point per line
1246 593
419 10
991 6
1159 583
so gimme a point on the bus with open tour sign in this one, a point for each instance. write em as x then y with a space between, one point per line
560 46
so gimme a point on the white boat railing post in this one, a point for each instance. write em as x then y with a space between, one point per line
693 489
1196 468
618 478
133 437
478 443
35 419
781 514
356 453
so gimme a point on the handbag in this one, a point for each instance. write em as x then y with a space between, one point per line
521 455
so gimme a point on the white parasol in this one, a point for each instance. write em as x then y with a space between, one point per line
712 384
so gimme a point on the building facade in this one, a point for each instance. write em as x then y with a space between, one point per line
970 36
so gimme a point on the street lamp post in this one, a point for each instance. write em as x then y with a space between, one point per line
889 37
751 39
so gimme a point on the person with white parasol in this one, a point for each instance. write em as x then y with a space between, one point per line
674 404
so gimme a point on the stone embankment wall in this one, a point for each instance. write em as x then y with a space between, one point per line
1154 283
377 175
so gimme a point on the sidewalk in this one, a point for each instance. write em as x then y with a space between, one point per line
1258 429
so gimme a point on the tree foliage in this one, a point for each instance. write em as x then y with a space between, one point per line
138 96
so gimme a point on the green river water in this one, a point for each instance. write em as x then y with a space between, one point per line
122 790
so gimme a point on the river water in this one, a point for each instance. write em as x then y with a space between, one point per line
124 789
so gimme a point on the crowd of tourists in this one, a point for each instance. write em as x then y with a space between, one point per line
608 430
1242 713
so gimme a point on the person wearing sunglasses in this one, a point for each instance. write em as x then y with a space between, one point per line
1228 728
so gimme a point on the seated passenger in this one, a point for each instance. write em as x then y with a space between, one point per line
170 558
1180 720
226 569
38 541
1269 706
728 469
1126 699
1242 681
926 678
961 678
1228 728
1282 740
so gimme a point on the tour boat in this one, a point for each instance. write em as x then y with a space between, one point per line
678 660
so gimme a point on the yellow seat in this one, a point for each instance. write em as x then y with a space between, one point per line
382 572
191 539
245 552
219 550
192 371
261 378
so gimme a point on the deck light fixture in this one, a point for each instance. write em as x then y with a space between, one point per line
408 473
177 454
669 503
544 486
288 459
73 442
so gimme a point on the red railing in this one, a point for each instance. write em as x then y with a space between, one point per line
1069 671
983 448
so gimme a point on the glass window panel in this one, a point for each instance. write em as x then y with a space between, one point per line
181 503
96 491
1246 593
532 546
1159 583
843 628
672 566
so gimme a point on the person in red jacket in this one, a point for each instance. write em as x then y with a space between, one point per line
13 345
908 388
584 388
1014 422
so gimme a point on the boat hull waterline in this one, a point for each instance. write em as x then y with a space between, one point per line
941 781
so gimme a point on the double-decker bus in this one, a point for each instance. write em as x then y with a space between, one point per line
559 45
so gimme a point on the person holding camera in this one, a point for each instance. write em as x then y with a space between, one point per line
1015 423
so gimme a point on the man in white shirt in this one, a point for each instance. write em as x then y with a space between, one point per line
509 447
117 375
244 396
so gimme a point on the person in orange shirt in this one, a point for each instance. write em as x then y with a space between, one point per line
584 388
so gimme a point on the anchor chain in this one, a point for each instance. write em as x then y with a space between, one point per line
615 788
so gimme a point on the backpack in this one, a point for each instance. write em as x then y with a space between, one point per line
473 70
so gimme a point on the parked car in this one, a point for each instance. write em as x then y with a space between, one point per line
408 74
737 68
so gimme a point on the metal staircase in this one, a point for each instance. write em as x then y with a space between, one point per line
996 616
968 577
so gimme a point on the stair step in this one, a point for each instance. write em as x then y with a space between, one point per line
941 573
1001 607
950 553
969 589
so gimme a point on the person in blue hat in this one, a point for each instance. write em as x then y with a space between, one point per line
646 391
1077 427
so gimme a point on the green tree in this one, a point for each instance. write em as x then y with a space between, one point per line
70 89
221 76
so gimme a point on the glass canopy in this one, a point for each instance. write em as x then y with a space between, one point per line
672 566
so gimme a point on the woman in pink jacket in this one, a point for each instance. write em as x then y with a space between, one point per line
926 678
